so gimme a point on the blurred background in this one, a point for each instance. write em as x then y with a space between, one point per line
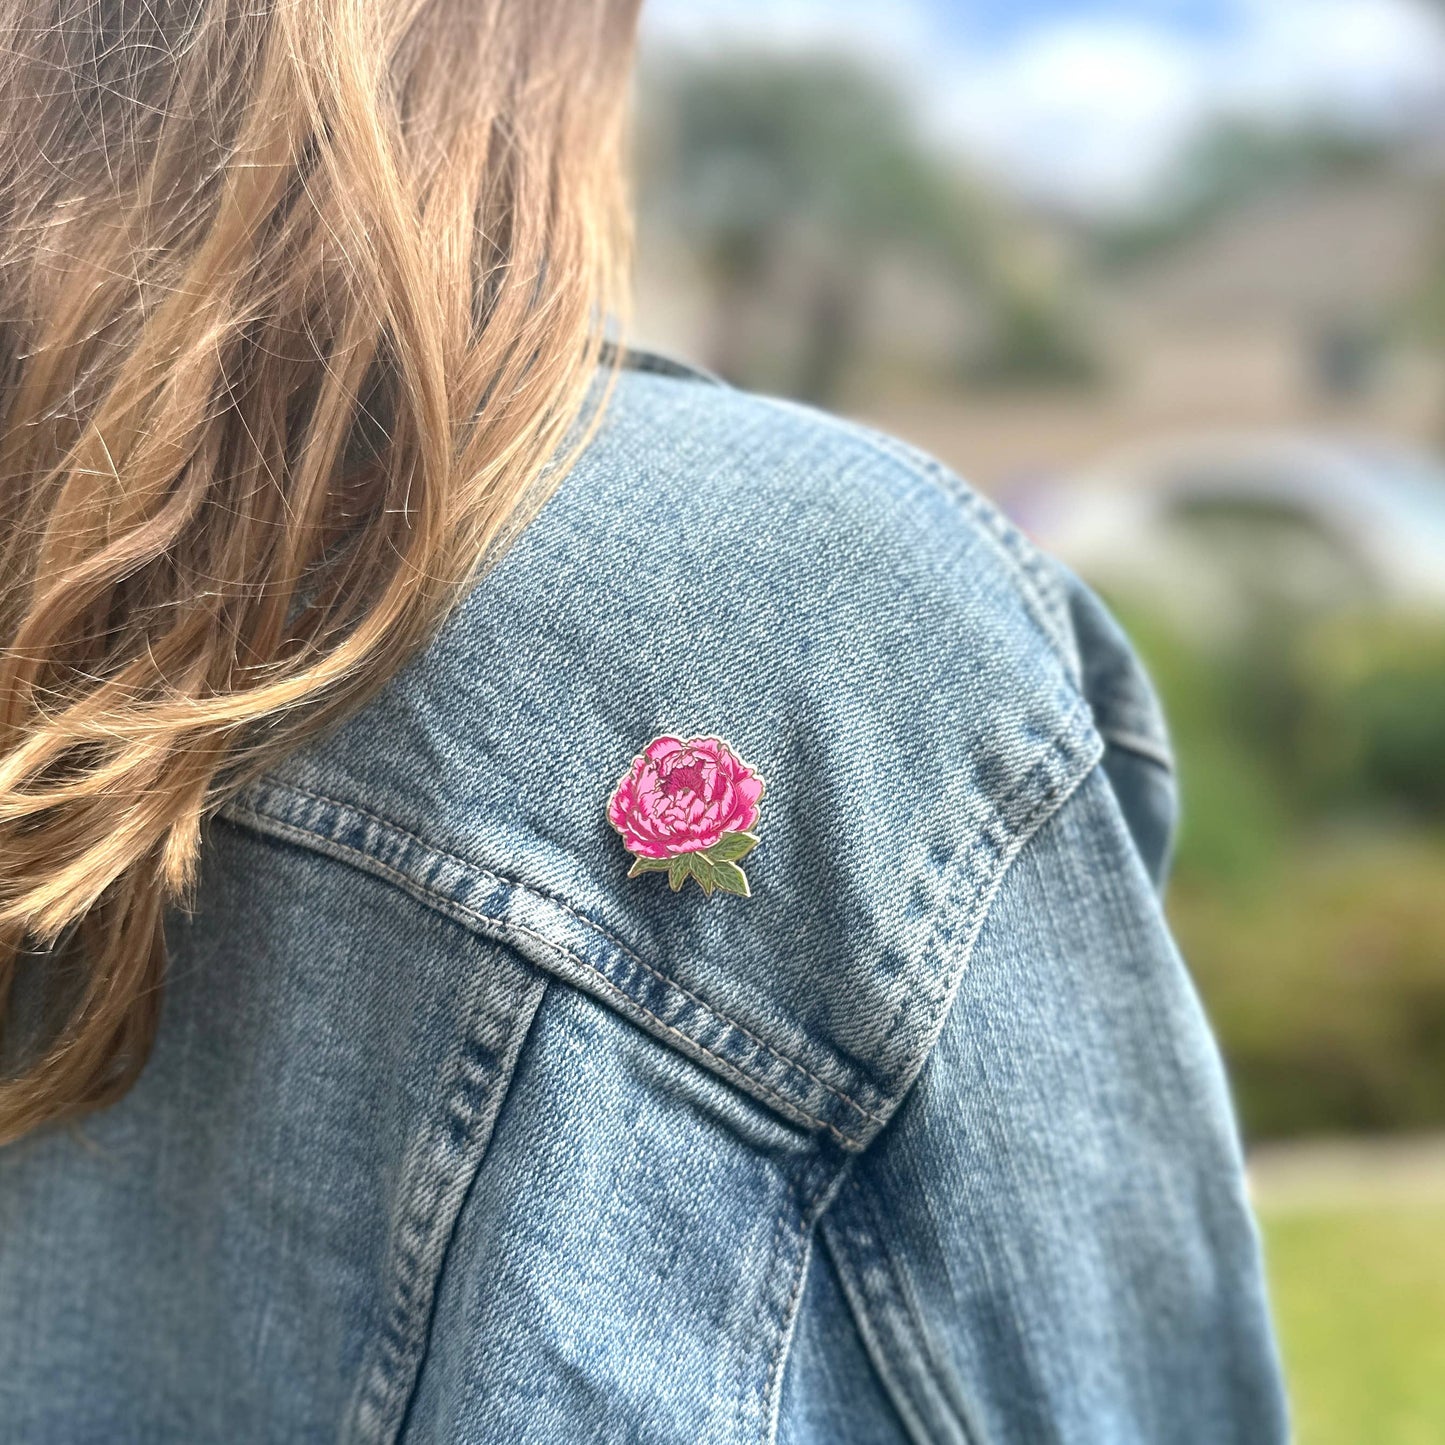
1166 278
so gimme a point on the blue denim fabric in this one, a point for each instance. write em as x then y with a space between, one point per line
453 1132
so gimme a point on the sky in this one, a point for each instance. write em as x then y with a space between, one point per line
1087 102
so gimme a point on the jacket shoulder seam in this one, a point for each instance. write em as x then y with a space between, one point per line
1045 789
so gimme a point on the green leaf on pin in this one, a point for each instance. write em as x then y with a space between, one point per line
731 879
715 869
732 846
702 870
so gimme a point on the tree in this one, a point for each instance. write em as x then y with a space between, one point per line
759 154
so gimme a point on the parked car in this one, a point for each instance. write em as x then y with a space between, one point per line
1220 527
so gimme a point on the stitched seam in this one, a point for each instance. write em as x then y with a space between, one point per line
906 1309
897 1352
505 1076
652 364
774 1375
1048 616
883 1360
809 1215
477 869
1057 792
741 1395
507 926
648 360
403 1341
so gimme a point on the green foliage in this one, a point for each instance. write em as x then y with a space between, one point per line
794 179
1309 887
732 846
1309 720
762 143
1373 689
797 179
1326 984
730 878
1234 817
1036 341
1230 167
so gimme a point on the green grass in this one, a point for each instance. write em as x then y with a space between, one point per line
1359 1298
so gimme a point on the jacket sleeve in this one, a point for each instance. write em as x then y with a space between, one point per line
1051 1240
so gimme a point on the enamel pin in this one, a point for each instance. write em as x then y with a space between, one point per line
688 809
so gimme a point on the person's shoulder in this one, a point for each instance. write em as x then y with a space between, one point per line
722 496
850 619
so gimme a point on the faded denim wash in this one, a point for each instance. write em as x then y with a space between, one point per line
453 1132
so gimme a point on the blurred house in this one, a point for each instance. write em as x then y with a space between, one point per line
799 236
1298 307
1292 307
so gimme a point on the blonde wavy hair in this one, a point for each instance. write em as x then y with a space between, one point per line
301 303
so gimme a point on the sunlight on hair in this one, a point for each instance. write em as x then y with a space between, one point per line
300 313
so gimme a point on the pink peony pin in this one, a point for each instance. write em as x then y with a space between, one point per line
688 809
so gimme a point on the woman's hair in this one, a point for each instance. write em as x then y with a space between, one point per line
301 306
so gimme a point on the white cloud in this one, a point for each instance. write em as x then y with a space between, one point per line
896 33
1364 61
1091 112
1087 113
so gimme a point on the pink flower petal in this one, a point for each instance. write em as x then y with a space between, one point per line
661 748
682 797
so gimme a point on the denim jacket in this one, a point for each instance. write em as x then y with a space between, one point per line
454 1131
